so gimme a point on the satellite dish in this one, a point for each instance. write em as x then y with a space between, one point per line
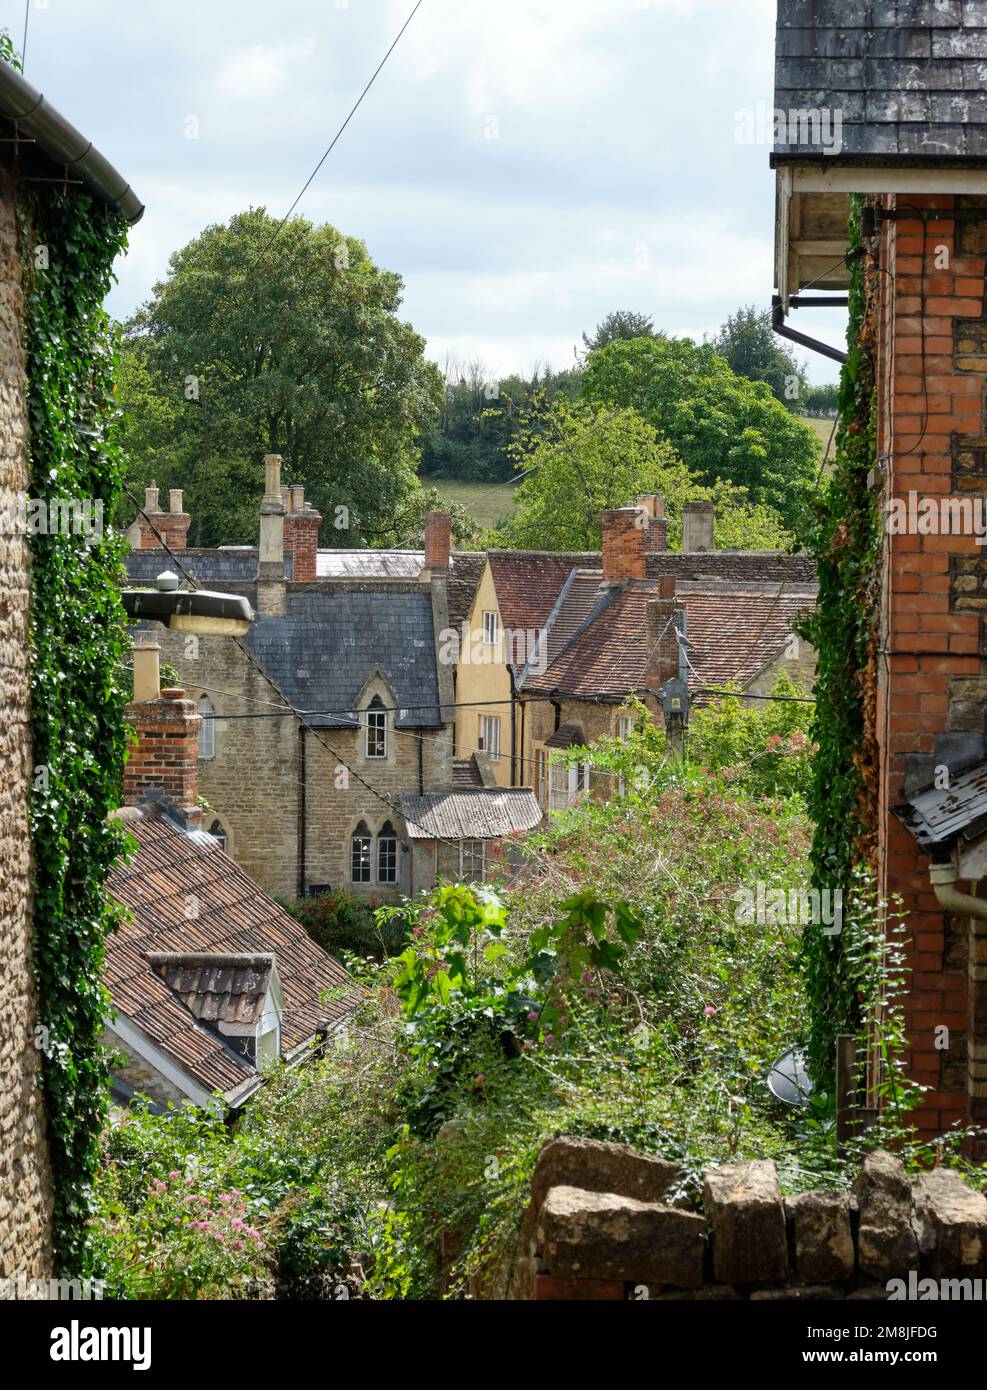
788 1079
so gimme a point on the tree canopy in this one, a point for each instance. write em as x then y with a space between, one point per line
750 345
721 425
252 346
620 326
578 461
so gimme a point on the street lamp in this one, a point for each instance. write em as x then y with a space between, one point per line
189 610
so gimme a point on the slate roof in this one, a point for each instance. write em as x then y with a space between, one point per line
482 813
907 75
734 631
329 642
231 565
233 917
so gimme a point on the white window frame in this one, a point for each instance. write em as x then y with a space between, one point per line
207 729
367 843
376 733
625 727
491 627
477 859
387 838
490 724
566 781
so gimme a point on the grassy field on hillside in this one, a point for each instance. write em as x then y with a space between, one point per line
486 502
824 428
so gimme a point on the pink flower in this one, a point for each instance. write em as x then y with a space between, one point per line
710 1010
480 1079
175 1174
532 1017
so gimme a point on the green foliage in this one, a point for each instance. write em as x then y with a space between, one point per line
843 533
721 425
8 53
621 326
342 924
295 348
577 462
753 350
77 642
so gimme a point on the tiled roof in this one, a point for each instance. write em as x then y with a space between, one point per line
734 631
462 582
486 813
569 735
906 75
187 896
216 987
219 565
529 582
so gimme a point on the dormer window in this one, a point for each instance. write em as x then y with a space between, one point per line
376 729
207 729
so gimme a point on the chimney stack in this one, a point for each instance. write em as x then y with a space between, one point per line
656 534
623 544
166 757
270 567
697 527
301 535
438 541
660 634
172 525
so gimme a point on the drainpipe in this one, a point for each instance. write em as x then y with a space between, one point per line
943 878
302 811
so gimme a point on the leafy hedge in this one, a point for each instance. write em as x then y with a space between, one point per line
77 643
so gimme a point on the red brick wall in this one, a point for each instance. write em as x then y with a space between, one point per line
167 753
301 540
931 425
624 555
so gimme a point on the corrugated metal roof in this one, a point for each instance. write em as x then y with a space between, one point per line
937 815
481 813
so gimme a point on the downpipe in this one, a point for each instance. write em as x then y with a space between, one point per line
943 879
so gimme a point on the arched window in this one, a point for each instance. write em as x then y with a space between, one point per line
207 729
387 854
361 854
218 831
376 728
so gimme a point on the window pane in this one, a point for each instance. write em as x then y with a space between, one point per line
376 733
361 858
207 729
387 859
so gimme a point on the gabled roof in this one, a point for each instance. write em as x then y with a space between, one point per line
482 813
187 898
734 631
217 987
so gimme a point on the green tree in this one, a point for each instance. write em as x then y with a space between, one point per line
620 326
578 462
720 424
749 344
292 347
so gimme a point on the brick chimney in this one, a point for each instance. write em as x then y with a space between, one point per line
623 544
172 525
167 726
656 533
301 535
697 527
662 644
438 541
270 567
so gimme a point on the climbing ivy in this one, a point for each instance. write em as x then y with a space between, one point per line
844 536
77 640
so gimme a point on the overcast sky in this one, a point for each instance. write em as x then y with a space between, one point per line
525 165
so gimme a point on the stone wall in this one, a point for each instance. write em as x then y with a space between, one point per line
25 1181
253 783
607 1222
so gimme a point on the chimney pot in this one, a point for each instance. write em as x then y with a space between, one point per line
151 499
147 669
438 540
272 478
298 497
175 499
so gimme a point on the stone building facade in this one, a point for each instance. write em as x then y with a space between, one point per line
25 1181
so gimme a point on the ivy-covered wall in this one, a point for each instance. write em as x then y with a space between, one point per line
844 537
77 641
